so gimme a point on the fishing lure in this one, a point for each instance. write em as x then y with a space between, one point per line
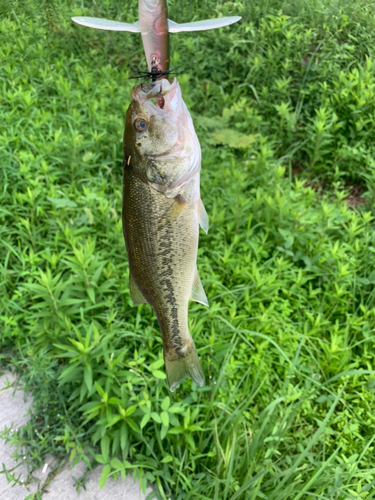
155 27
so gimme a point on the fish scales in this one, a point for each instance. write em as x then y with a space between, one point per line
161 254
162 211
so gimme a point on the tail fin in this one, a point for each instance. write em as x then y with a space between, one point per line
181 368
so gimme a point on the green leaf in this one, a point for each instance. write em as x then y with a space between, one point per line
87 375
62 202
156 417
233 139
190 441
130 410
73 372
176 430
166 403
114 401
99 389
158 374
167 459
145 408
104 445
92 405
91 294
156 364
117 464
124 436
114 421
165 418
145 420
163 432
99 459
133 425
104 475
72 454
176 409
87 156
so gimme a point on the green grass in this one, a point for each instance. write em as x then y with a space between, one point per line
284 109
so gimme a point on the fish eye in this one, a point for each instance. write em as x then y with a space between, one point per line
140 124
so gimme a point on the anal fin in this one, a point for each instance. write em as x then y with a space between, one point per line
197 291
203 217
135 294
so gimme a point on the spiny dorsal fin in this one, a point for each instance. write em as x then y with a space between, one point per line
203 217
197 291
135 293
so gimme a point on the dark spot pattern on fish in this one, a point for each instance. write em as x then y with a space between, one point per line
167 284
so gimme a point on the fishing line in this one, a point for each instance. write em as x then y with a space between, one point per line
154 75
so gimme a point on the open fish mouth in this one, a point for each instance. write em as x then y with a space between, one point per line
160 88
163 91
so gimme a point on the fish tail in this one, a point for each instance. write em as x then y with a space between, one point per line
178 368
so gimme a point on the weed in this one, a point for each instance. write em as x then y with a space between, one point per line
287 343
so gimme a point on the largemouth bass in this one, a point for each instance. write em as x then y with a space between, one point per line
161 214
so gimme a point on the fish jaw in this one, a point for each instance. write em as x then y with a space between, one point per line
153 22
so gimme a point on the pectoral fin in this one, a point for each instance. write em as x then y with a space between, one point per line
203 217
106 24
206 24
197 291
173 213
135 294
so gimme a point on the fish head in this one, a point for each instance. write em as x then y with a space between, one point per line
162 140
154 130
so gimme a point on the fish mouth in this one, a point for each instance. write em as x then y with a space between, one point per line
163 91
170 92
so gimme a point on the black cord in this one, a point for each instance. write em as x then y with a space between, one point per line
154 75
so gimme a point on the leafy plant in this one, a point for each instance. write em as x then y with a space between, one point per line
283 106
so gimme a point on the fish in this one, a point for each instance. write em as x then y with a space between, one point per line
161 214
